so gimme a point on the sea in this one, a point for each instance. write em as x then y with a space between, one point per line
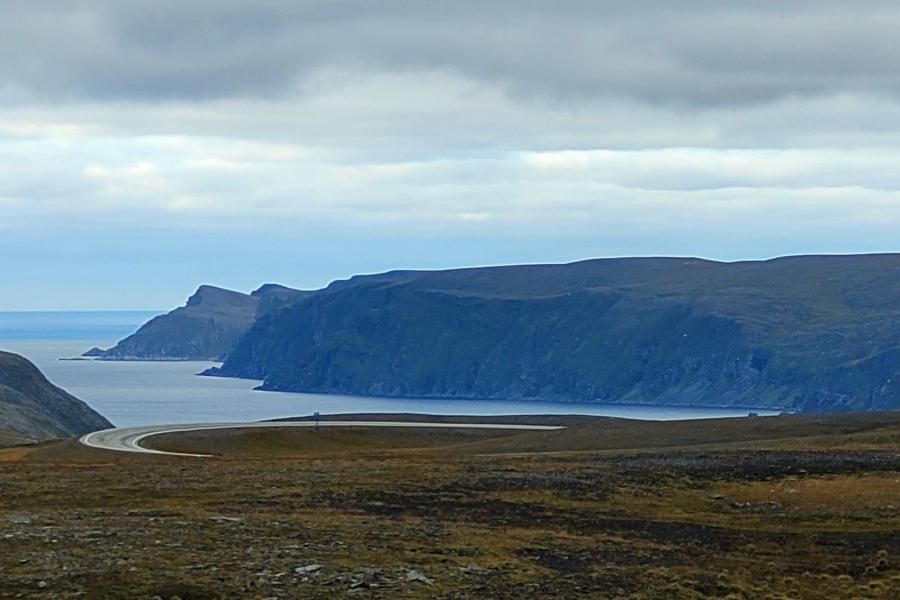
150 393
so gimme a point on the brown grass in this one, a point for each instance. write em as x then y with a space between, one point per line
288 442
702 516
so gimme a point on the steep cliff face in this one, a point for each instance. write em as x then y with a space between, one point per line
206 328
273 297
33 408
811 333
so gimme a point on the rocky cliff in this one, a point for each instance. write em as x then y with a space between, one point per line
807 333
34 409
206 328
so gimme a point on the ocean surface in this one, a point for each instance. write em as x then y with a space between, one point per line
145 393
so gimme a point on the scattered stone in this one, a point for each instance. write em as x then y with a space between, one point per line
365 577
20 520
417 576
766 506
224 519
472 569
308 569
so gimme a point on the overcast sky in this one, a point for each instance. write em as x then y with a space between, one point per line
148 147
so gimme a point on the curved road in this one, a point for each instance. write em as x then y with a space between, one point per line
128 439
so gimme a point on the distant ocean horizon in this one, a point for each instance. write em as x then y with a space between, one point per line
71 324
145 393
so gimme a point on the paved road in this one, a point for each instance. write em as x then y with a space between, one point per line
128 439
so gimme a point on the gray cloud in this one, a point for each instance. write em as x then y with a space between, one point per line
682 54
383 134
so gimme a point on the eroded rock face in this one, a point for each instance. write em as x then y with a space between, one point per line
810 333
206 328
33 408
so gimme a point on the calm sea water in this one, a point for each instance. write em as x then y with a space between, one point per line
144 393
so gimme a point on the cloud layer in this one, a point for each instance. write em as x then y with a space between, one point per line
720 129
692 53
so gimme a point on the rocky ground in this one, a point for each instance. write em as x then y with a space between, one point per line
810 517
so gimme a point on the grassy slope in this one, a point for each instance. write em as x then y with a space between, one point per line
807 510
32 407
582 434
8 440
291 442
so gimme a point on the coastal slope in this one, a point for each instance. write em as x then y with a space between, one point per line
206 328
810 333
32 408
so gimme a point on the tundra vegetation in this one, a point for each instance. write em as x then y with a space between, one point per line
758 507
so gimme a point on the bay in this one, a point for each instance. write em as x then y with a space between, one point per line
147 393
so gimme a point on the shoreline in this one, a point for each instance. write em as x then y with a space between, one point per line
262 388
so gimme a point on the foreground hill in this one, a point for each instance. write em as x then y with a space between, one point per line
814 333
32 408
206 328
792 506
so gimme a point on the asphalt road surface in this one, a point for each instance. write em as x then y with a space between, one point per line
128 439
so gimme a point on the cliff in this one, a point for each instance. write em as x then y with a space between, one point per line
206 328
809 333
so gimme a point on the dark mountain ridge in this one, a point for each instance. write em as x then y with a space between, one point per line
33 408
804 332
